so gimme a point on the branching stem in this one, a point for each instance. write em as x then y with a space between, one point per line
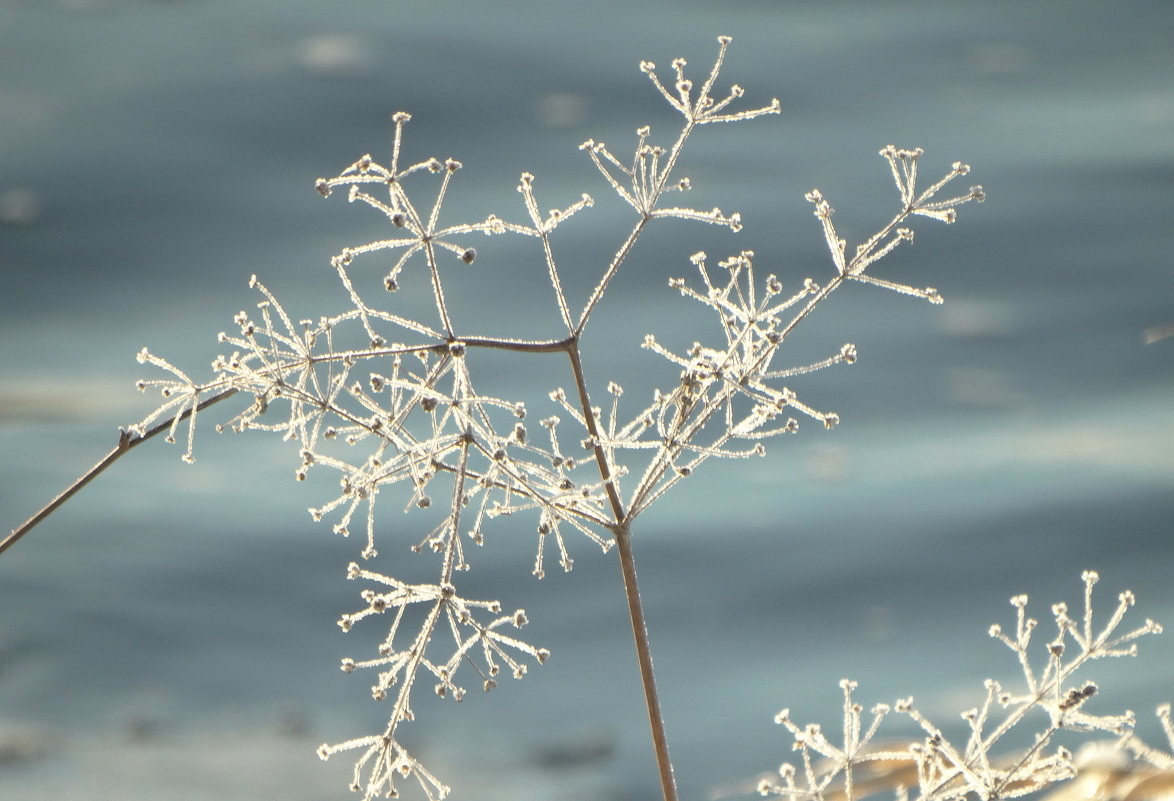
623 539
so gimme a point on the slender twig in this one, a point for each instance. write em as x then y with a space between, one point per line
126 441
668 783
623 539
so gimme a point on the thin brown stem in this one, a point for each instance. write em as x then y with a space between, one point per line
126 441
668 783
623 539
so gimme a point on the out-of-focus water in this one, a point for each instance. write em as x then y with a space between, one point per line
170 633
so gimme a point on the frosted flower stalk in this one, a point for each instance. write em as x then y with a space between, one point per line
389 402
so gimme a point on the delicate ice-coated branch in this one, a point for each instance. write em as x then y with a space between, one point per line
722 379
650 174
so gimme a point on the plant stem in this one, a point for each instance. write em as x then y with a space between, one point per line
126 441
623 538
660 743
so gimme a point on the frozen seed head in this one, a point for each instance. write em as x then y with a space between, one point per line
469 256
323 187
1077 696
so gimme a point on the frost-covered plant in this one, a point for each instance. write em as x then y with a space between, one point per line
388 398
936 769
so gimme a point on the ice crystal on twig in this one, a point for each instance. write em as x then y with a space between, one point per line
1160 759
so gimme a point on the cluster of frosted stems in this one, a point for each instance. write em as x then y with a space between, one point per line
388 399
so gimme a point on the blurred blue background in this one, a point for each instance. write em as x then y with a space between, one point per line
170 632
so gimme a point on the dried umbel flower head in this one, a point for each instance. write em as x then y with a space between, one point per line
392 397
